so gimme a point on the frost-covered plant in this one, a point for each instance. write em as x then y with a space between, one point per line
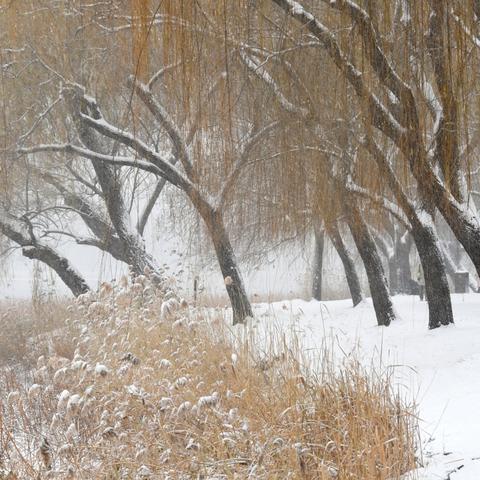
145 395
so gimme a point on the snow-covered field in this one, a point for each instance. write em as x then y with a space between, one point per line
440 369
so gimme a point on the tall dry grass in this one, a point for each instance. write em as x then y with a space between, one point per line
27 328
157 389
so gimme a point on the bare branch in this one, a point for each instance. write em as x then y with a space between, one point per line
84 182
165 120
83 152
160 73
38 120
242 160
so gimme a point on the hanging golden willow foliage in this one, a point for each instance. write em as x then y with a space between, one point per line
101 45
142 23
204 37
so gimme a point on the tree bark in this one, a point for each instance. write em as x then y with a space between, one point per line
347 261
72 279
241 307
109 180
377 280
464 228
100 227
436 283
133 250
426 241
319 244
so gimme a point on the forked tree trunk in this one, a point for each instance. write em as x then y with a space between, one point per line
436 283
108 176
319 239
72 279
377 280
347 261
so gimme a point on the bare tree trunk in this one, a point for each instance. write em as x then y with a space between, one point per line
319 239
426 241
72 279
348 264
377 280
111 185
436 283
465 229
133 245
232 277
399 269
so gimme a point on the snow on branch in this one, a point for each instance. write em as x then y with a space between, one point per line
155 163
380 116
257 68
95 156
160 73
386 169
379 201
169 125
377 58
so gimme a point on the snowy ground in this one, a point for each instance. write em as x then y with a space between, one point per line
439 368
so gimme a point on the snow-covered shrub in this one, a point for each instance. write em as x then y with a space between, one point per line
155 389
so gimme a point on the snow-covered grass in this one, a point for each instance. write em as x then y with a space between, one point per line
24 328
154 389
439 368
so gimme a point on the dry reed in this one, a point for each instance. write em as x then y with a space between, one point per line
157 389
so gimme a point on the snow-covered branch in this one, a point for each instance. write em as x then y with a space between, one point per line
378 60
89 154
161 72
20 232
379 115
155 163
166 121
258 68
380 201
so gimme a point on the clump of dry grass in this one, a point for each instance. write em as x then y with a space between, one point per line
27 328
155 389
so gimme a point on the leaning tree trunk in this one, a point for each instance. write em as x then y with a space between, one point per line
377 280
465 229
348 264
111 185
241 307
72 279
17 231
133 245
436 283
319 239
